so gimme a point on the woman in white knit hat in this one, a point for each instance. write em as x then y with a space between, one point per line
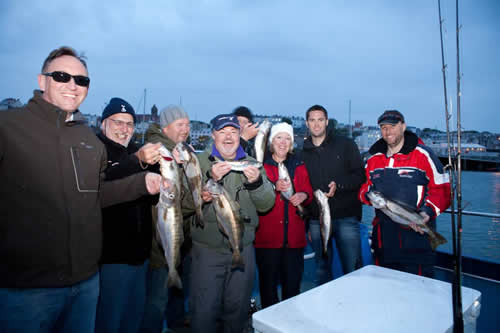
280 238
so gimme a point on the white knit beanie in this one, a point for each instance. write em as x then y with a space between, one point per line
278 128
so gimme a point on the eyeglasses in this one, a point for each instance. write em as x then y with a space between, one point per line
64 77
120 123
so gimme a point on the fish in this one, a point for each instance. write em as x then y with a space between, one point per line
403 215
228 220
194 176
325 218
261 140
283 174
169 224
241 165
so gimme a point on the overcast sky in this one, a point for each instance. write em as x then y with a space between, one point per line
276 57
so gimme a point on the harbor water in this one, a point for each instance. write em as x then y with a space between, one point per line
480 235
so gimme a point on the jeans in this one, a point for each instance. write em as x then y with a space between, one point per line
156 300
66 309
347 238
122 298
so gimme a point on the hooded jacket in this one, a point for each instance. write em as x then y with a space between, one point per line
336 159
127 227
51 196
415 177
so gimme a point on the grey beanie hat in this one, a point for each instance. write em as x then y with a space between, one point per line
170 114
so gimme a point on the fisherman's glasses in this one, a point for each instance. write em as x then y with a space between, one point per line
64 77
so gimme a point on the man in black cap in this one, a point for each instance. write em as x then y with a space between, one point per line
220 291
248 129
127 230
403 169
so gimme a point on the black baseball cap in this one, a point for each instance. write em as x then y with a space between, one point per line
391 117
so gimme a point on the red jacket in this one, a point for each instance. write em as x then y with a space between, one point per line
273 229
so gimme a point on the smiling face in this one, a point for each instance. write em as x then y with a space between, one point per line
316 123
178 130
119 127
227 141
281 145
66 96
393 134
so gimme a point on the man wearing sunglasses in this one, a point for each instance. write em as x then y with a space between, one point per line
52 166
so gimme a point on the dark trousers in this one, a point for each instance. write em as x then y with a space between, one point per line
218 292
276 266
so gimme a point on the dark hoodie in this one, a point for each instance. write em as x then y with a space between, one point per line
336 159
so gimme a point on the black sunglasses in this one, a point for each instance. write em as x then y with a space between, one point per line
64 77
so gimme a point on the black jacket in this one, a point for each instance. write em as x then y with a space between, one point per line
127 229
51 197
336 159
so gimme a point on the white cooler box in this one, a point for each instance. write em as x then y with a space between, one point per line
371 299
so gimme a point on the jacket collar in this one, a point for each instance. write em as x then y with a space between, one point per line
115 145
410 143
51 113
309 145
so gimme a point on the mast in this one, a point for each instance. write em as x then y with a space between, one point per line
459 325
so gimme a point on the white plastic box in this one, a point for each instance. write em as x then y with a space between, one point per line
371 299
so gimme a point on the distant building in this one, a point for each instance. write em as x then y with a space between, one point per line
367 138
10 103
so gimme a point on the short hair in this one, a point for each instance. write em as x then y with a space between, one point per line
243 111
63 51
316 107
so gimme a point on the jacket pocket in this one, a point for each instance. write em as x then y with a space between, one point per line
86 168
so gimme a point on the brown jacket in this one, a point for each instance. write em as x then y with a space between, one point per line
51 197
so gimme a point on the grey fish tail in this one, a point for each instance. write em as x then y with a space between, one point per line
174 279
436 239
237 261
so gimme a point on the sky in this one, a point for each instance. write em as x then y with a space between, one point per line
275 57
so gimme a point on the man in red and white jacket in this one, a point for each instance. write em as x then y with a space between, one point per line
404 169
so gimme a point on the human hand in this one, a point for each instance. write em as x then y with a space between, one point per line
153 182
252 173
249 131
333 188
298 198
149 153
206 196
282 185
219 170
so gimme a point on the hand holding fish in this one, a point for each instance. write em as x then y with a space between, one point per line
206 196
249 131
252 174
153 181
415 227
333 188
298 198
282 185
219 170
149 153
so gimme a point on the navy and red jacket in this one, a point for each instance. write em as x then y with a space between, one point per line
282 226
415 177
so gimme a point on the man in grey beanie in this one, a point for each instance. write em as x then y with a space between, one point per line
174 128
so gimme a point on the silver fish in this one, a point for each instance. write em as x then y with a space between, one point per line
405 216
325 219
241 165
283 174
228 220
261 140
169 223
194 176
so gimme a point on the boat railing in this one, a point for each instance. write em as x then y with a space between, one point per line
472 213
